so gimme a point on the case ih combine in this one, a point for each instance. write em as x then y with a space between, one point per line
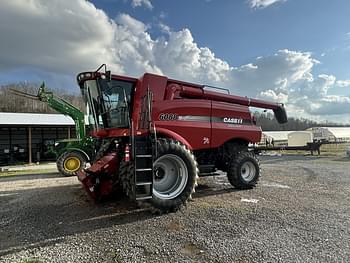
156 136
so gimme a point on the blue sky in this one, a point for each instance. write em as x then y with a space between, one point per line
238 33
292 51
227 26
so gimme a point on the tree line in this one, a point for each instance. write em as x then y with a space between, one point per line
10 102
268 122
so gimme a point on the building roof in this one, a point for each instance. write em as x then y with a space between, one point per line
26 119
337 132
300 132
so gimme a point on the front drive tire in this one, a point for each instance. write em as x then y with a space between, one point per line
244 171
175 175
70 162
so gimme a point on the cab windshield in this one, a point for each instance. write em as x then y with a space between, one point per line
108 102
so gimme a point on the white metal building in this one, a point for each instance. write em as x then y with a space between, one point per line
25 135
331 134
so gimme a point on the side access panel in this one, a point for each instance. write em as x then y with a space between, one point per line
186 117
232 121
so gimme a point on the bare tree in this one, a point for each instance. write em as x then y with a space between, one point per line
10 102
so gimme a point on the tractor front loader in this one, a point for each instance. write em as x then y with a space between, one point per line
158 135
71 154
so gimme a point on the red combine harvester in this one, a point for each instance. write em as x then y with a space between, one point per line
155 136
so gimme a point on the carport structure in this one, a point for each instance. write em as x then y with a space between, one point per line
26 136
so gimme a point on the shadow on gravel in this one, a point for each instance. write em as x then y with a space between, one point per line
264 159
17 177
204 190
40 217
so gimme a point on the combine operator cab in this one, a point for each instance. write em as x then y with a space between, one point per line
108 101
157 136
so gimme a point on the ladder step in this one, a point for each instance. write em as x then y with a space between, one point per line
144 197
143 161
142 151
144 183
143 169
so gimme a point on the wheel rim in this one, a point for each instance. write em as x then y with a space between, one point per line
72 164
248 171
170 176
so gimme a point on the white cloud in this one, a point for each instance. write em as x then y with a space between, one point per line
285 76
262 3
278 71
138 3
135 26
60 36
65 37
133 47
343 83
164 28
272 96
180 56
330 105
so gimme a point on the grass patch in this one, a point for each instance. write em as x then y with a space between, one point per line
295 152
27 172
326 150
334 149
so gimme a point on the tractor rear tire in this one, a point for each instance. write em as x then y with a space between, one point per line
70 162
175 176
244 171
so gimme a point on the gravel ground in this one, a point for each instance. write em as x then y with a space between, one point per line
298 213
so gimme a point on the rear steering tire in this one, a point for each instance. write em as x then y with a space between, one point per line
244 171
175 175
70 162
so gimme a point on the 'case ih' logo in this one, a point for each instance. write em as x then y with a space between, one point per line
233 120
168 116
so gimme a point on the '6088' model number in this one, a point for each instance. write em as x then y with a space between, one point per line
168 116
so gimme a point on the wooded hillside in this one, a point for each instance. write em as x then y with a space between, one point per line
10 102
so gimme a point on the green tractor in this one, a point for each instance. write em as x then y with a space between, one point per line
71 154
